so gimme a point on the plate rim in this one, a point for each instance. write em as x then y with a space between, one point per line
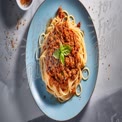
85 105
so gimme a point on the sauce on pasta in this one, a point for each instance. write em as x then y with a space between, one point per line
62 79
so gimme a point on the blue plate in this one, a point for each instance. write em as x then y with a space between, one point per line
46 102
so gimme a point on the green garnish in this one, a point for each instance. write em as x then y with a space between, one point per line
60 53
62 58
56 54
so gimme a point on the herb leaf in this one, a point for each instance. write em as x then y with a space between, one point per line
62 58
56 54
63 51
66 49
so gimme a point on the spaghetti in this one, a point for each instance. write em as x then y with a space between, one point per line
63 56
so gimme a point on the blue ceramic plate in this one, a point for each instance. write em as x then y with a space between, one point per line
46 102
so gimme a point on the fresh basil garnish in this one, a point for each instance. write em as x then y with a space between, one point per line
60 53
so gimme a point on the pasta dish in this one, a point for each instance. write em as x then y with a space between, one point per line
63 56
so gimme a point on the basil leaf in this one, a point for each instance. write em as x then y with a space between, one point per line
62 58
67 47
64 48
56 54
61 47
66 52
63 51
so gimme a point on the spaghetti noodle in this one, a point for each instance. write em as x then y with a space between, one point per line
63 56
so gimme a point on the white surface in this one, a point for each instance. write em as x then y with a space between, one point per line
24 7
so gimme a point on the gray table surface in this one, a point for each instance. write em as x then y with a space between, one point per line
16 101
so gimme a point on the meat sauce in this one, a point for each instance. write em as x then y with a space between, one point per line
59 73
